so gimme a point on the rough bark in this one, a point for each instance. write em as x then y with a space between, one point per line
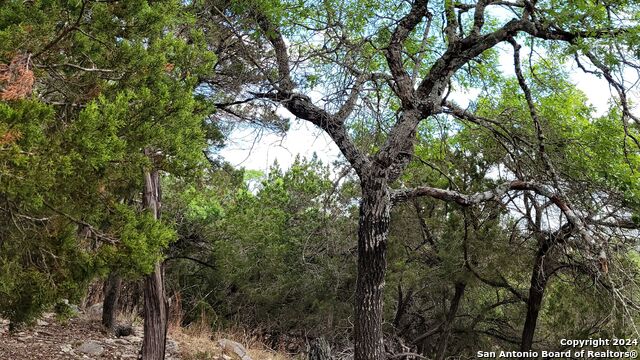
155 316
372 242
155 303
319 349
110 303
536 294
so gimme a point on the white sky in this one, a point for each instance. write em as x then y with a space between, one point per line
252 149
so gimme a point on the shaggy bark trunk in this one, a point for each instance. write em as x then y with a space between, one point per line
372 242
110 303
451 315
155 316
155 303
536 293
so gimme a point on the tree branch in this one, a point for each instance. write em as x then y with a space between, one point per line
452 22
66 31
301 105
393 53
200 262
97 234
273 34
348 106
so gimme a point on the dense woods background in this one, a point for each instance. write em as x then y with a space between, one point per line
507 223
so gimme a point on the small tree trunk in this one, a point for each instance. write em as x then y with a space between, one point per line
155 316
110 303
155 303
448 324
403 304
319 349
536 294
533 309
372 242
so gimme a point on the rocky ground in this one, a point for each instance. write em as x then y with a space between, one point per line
83 337
77 338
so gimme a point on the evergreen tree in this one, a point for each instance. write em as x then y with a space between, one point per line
86 87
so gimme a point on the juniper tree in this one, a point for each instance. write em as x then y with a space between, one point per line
86 86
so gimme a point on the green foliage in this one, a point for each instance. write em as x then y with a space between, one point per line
279 237
26 290
593 150
278 251
25 294
142 240
113 83
432 243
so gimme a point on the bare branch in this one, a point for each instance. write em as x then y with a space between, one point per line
78 67
301 105
532 108
97 234
66 31
404 84
467 200
452 23
348 106
478 17
423 47
273 34
622 94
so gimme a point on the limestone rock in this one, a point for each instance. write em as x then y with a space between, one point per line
24 338
172 346
233 348
121 342
91 348
95 311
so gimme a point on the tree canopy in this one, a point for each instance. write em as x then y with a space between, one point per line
481 201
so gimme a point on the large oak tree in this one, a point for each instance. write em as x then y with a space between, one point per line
371 73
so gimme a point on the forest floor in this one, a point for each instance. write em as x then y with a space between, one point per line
83 337
76 338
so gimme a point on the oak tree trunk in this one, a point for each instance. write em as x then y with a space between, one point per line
372 242
110 303
155 303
